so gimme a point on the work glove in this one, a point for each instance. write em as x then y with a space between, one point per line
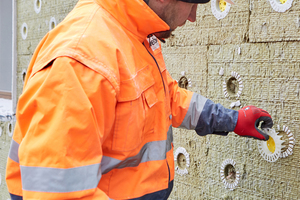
248 120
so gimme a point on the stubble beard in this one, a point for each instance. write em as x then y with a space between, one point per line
164 34
167 17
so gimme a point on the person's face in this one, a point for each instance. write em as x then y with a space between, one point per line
175 14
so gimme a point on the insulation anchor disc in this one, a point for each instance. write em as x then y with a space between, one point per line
183 160
270 150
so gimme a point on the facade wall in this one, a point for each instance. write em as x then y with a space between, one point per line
260 44
263 47
6 129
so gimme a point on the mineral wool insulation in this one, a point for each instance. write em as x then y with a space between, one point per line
260 44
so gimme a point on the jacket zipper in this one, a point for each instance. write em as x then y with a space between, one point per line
157 68
165 94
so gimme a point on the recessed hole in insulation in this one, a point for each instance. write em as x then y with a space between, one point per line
181 161
183 82
24 31
52 23
37 6
230 173
23 75
232 86
9 129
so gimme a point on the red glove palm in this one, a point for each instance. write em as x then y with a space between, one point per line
248 121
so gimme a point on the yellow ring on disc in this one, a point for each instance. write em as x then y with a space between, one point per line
271 144
283 1
222 5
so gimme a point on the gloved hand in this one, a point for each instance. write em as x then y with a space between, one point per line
248 120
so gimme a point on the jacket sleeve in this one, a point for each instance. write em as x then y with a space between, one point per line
63 115
195 112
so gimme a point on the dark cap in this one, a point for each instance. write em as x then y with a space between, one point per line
196 1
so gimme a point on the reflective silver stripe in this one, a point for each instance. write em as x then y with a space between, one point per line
195 109
151 151
13 151
170 139
42 179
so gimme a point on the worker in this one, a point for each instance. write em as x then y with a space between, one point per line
95 117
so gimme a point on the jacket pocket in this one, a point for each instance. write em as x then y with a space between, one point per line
129 124
135 111
150 100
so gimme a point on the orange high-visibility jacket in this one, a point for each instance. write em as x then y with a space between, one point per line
96 114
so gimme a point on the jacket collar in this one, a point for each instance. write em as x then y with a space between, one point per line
136 16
